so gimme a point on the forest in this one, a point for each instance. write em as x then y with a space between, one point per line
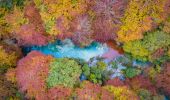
84 49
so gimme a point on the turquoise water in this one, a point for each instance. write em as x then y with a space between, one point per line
66 48
91 54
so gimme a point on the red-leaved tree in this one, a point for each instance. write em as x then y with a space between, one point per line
59 93
140 82
107 19
81 27
163 80
31 73
27 35
88 91
115 82
106 95
34 17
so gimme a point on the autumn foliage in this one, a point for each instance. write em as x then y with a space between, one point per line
56 9
82 30
27 35
135 32
139 82
15 19
34 17
107 20
59 93
7 89
63 71
88 91
115 82
121 93
31 73
148 47
141 16
163 81
7 59
92 91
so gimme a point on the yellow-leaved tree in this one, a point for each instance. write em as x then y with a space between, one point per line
121 92
15 19
51 10
7 59
141 16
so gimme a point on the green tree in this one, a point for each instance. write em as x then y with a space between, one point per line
63 71
97 73
86 70
131 72
144 94
144 48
